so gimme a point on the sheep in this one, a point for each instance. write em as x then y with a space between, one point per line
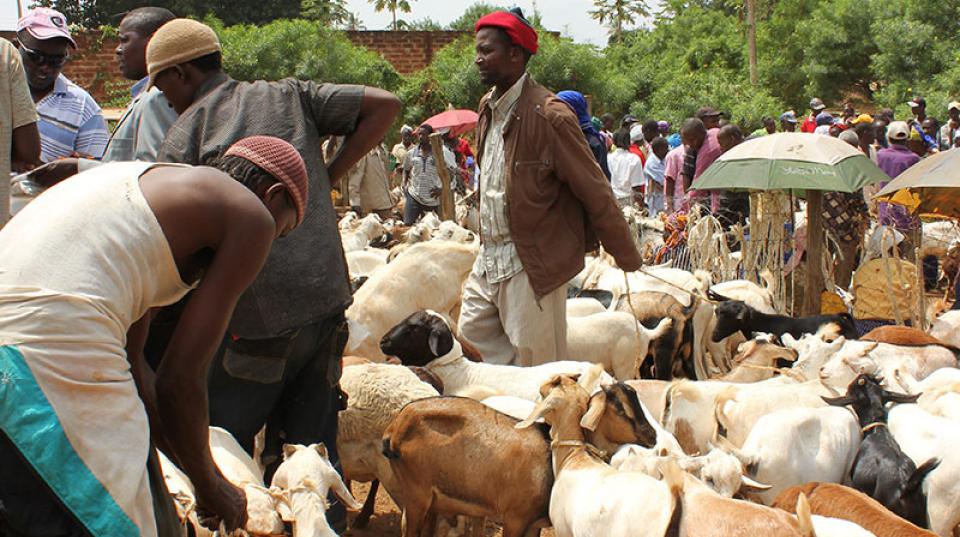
365 262
793 446
370 227
429 275
923 436
758 359
425 339
582 307
456 456
612 338
737 411
675 346
881 469
736 316
375 395
450 231
591 498
838 501
838 527
301 484
885 360
946 328
718 469
652 394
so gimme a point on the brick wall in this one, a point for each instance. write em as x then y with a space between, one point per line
406 51
94 65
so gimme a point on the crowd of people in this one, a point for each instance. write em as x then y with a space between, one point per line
186 269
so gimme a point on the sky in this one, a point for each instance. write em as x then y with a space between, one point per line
569 17
8 14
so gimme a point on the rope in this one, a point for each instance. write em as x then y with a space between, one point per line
873 426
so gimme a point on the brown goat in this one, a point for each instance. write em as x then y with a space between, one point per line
838 501
671 352
456 456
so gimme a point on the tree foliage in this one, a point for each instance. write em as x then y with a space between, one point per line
392 6
302 49
472 14
619 13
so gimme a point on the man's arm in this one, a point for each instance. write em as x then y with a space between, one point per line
145 378
93 135
26 147
378 109
575 165
247 233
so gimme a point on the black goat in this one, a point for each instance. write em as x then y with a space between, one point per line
734 316
881 469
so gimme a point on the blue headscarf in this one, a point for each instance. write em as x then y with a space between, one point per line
578 103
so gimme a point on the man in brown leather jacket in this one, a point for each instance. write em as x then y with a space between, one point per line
543 204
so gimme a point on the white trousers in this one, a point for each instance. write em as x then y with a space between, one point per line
507 324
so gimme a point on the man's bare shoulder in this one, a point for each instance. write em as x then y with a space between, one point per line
203 193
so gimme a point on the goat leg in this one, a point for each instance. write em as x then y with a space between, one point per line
363 518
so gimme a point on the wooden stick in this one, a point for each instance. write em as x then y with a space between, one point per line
446 194
814 276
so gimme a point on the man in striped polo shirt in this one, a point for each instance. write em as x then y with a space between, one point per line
71 123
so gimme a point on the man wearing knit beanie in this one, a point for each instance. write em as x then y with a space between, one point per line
109 244
291 320
533 238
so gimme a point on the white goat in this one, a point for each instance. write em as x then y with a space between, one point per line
922 437
428 275
369 228
614 339
304 479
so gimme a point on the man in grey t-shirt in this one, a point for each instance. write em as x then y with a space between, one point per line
280 358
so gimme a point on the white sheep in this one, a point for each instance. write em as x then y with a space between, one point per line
365 262
581 307
375 395
370 227
796 445
425 339
614 339
428 275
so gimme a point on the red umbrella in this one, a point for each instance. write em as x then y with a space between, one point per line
456 121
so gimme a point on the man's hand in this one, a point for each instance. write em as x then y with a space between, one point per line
52 173
222 502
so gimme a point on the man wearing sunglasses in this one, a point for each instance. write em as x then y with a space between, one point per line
71 123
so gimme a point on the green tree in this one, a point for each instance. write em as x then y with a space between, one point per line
469 18
618 13
392 6
328 12
425 24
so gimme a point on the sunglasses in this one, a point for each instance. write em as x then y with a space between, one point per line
40 58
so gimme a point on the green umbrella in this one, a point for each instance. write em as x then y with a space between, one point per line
792 161
930 187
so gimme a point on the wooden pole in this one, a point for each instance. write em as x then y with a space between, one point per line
752 39
814 277
446 194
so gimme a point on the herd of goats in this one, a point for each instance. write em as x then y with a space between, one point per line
688 408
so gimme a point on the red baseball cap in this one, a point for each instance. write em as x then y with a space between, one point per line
44 23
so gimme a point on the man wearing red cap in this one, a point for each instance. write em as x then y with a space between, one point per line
79 406
543 198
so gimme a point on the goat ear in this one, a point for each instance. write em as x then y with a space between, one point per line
440 340
916 480
321 449
900 397
748 485
538 411
590 379
843 400
742 313
591 419
289 450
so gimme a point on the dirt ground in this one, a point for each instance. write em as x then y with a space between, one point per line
386 519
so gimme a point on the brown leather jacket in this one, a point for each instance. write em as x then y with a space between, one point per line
558 200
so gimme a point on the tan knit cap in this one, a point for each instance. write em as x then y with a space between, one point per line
179 41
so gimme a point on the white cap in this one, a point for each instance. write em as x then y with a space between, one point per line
636 132
898 130
953 105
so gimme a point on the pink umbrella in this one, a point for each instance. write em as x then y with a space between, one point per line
456 121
